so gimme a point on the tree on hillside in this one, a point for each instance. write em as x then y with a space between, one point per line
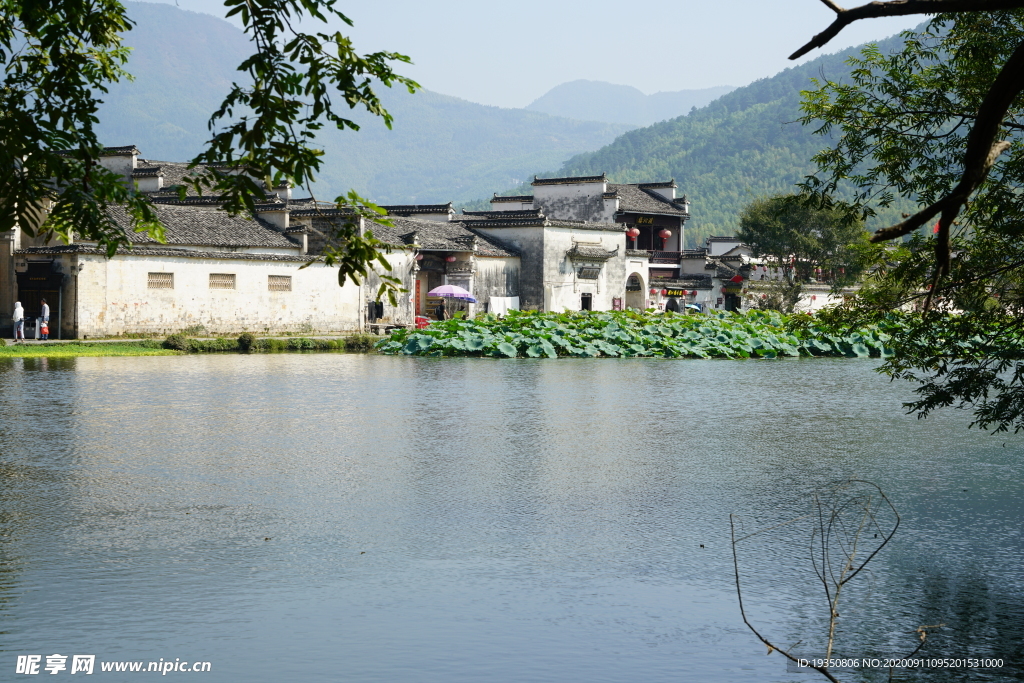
940 122
58 59
803 241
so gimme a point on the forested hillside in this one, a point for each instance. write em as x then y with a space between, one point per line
442 148
741 146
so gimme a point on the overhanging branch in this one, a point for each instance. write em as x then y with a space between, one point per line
982 151
897 8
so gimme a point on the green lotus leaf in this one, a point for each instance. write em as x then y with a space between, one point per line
507 349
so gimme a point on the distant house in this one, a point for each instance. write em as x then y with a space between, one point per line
579 243
222 273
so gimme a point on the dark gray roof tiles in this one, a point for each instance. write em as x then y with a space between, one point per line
569 181
412 209
203 226
590 253
148 172
522 213
514 198
125 151
429 235
438 236
635 199
174 172
165 251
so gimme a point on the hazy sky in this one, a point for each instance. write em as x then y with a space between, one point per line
509 54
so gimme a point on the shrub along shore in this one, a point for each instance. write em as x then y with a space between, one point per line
754 334
178 344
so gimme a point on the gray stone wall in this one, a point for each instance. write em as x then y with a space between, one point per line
529 242
402 266
495 277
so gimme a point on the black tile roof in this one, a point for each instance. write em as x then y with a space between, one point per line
657 186
174 172
125 151
412 209
570 181
429 235
205 226
580 252
515 198
523 213
636 199
452 236
148 172
164 251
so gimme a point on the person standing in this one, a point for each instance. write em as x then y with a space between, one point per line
45 314
19 322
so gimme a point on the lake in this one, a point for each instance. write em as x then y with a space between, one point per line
332 517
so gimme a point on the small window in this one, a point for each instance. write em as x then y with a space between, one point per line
160 281
279 283
586 302
222 280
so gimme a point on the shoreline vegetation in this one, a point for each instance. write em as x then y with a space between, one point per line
530 334
626 334
181 344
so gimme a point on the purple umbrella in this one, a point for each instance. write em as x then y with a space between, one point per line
452 292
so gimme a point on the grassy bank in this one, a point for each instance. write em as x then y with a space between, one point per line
75 349
178 344
756 334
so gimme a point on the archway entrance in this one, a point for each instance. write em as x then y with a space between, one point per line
635 288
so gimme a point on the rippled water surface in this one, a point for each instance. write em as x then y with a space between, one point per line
366 518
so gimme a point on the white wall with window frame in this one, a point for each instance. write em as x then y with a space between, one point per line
226 294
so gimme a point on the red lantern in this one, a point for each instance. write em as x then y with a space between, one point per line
814 297
665 234
633 233
451 259
693 293
419 257
723 290
654 291
664 292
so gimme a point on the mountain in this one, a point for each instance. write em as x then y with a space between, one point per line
600 101
442 148
743 145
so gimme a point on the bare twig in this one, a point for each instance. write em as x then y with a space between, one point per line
837 555
739 595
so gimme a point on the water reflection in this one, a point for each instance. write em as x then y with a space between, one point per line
365 518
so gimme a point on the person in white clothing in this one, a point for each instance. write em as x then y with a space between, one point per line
19 322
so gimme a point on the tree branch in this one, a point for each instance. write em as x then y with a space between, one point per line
897 8
981 153
743 613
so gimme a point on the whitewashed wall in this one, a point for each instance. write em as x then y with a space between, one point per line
113 298
562 288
